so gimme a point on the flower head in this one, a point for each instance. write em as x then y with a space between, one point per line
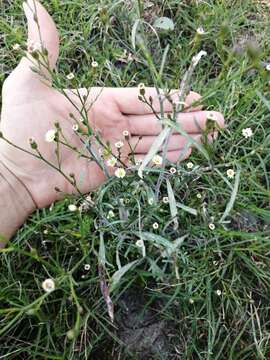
110 214
211 116
190 165
200 31
268 67
172 170
155 225
230 173
199 196
150 201
75 127
111 162
141 86
165 199
50 135
218 292
139 243
72 207
247 132
212 226
157 160
48 285
86 267
126 133
120 173
119 144
70 76
94 64
16 47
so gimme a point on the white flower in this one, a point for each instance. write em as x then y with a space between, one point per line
75 127
165 199
200 31
94 64
48 285
16 47
155 225
86 267
50 135
125 133
119 144
230 173
139 243
215 262
172 170
212 226
111 162
70 76
72 207
247 132
141 86
191 301
268 67
218 292
199 196
190 165
120 173
110 214
211 116
157 160
150 201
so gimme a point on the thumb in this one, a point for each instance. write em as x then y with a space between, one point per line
42 31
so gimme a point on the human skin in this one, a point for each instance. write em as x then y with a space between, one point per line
31 107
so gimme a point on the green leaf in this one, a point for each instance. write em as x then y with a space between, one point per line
164 23
175 245
102 251
153 150
187 209
156 239
172 203
120 273
233 197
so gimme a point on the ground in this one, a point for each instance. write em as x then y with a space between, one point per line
210 298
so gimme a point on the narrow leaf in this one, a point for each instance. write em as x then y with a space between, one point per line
164 23
120 273
172 203
187 209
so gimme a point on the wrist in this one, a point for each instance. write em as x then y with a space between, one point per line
16 204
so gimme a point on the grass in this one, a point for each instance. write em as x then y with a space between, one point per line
211 296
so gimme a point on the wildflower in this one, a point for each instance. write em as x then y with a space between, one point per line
165 199
94 64
70 76
48 285
16 47
139 243
215 263
230 173
268 67
120 173
212 226
46 232
157 160
218 292
190 165
72 207
172 170
86 267
141 86
119 144
191 301
247 132
125 133
110 214
150 201
75 127
155 226
112 162
211 116
200 31
199 196
50 135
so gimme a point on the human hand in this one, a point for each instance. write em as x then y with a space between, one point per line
31 107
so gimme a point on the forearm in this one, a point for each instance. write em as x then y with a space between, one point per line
16 204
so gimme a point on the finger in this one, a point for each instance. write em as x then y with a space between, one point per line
190 122
172 156
41 30
191 100
128 102
175 142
